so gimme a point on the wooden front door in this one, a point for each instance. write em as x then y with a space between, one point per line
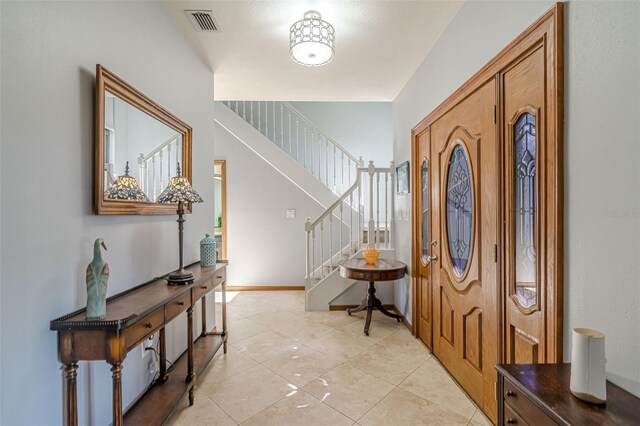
465 229
529 192
424 239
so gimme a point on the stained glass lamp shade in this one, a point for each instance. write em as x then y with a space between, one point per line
179 191
125 188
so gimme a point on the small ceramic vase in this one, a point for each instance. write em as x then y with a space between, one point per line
208 251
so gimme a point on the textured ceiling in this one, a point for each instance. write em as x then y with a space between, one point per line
379 44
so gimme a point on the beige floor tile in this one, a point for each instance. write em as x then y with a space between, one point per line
298 409
266 346
225 365
247 306
389 361
333 319
243 328
431 382
245 394
404 408
341 345
480 419
203 412
349 390
301 365
277 319
378 329
304 330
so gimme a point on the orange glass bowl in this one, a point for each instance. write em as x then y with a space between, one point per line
370 256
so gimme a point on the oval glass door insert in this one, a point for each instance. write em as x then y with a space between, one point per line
425 212
525 209
459 210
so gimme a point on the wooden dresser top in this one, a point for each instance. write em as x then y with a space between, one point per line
124 307
547 385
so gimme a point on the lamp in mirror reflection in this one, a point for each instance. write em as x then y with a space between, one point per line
125 187
179 191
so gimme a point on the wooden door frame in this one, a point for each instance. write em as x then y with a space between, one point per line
548 28
223 173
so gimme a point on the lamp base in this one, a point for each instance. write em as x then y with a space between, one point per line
180 277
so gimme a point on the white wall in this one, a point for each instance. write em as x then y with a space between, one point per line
48 58
270 247
602 179
362 128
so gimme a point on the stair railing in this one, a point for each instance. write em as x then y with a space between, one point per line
345 226
299 138
157 167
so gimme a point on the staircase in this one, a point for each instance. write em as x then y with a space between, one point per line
358 200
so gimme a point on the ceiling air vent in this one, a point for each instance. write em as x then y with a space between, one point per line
202 20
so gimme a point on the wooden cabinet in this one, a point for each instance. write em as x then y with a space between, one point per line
538 394
133 316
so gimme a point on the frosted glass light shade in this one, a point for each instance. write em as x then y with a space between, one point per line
311 40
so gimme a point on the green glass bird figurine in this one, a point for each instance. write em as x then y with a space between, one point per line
97 281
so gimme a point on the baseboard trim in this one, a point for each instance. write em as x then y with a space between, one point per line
345 307
404 320
265 288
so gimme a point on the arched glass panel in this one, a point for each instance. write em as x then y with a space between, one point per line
425 211
459 210
525 209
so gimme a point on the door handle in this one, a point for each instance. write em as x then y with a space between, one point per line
433 258
434 243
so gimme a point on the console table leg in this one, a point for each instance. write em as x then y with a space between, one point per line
116 375
224 317
204 316
190 373
162 348
371 302
71 372
191 395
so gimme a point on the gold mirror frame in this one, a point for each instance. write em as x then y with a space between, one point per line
107 81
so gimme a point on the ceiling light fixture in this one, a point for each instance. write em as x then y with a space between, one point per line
312 40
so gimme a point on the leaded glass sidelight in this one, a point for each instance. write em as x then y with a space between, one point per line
459 210
525 209
425 211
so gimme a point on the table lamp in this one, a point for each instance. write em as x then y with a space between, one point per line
179 191
125 188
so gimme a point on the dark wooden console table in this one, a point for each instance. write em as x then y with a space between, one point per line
382 270
538 394
133 316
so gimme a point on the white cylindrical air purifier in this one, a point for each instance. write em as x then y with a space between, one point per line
588 374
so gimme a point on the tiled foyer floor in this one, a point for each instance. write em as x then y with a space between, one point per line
286 366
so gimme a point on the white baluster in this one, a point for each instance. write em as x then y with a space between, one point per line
274 121
341 225
371 221
392 230
386 210
322 249
161 174
342 186
377 237
330 241
153 175
259 118
251 103
335 189
313 253
311 152
266 119
169 158
351 224
289 130
282 126
326 162
309 261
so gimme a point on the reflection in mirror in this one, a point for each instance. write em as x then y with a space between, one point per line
220 207
131 136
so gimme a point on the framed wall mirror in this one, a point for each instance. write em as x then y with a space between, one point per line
138 148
